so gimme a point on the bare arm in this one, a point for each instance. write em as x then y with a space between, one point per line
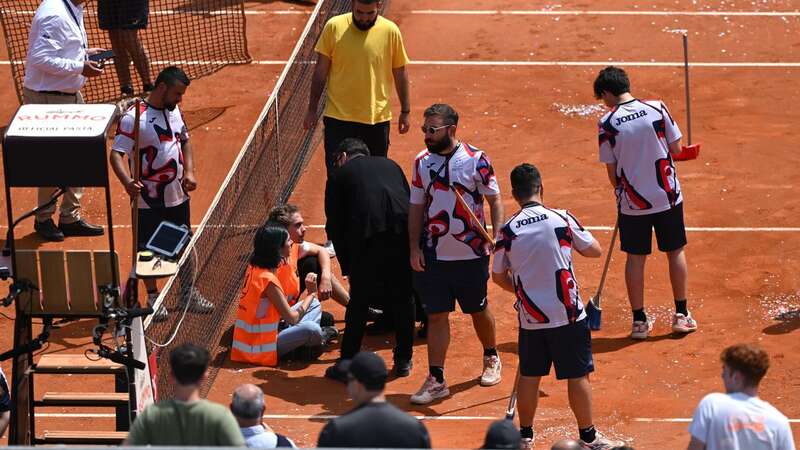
415 216
121 171
324 259
592 251
496 208
401 84
503 280
189 182
278 300
696 444
612 174
321 71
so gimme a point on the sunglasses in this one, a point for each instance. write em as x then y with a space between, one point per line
432 130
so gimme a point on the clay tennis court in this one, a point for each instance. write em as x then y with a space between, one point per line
520 75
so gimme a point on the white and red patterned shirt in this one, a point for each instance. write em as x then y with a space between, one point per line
448 233
636 136
536 246
161 134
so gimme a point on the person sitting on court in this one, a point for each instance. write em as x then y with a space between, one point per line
374 422
186 419
248 407
268 296
533 260
738 419
501 434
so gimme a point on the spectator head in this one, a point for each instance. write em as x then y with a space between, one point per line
289 216
366 376
743 367
610 83
189 364
502 434
567 444
526 183
439 128
365 13
171 84
248 405
348 149
271 246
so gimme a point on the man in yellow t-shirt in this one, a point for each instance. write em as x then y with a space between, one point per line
360 55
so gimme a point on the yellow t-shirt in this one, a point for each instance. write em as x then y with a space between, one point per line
360 80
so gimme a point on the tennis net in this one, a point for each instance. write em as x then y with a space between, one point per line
200 36
264 174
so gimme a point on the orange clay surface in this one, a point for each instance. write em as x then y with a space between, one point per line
743 285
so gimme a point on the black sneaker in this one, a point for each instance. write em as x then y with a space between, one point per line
335 372
329 334
80 228
48 230
402 368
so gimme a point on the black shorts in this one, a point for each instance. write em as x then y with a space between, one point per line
375 136
636 232
122 14
568 347
444 282
149 219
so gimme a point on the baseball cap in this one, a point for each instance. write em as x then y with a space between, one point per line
502 435
368 368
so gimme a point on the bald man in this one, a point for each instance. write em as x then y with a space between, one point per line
248 408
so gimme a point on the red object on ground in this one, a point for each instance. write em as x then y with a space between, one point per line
688 152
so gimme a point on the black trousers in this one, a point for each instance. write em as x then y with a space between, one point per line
150 218
382 267
375 136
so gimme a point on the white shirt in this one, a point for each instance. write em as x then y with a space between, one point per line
57 48
536 245
636 136
448 232
161 135
259 437
739 421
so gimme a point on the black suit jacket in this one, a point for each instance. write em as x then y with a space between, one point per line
368 195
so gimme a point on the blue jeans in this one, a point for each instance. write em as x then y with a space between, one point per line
305 332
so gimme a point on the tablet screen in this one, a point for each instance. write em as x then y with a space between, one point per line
168 239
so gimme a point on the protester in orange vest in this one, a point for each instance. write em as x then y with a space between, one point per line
265 300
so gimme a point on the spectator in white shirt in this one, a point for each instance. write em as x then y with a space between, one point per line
738 419
248 408
56 68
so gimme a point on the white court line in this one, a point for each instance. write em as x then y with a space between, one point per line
556 12
329 416
271 62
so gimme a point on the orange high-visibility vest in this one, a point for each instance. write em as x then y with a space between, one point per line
255 338
287 274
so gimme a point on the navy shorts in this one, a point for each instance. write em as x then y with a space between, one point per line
568 347
445 282
636 232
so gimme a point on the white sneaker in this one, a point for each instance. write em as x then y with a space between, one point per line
430 391
328 246
601 443
683 324
526 444
641 330
491 370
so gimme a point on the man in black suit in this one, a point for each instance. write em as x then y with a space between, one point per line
366 204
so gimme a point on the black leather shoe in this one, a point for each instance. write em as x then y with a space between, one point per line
402 368
335 372
80 228
48 230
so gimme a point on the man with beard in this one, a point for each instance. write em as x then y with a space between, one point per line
167 172
360 55
366 203
449 255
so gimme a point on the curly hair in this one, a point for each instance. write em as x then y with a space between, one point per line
283 214
749 360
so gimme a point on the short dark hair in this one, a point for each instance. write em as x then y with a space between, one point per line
611 79
353 146
446 112
171 76
283 214
526 181
749 360
267 244
188 362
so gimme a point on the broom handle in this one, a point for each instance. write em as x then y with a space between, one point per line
512 401
137 175
686 83
477 222
608 260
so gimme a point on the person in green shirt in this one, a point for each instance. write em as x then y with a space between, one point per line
186 419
